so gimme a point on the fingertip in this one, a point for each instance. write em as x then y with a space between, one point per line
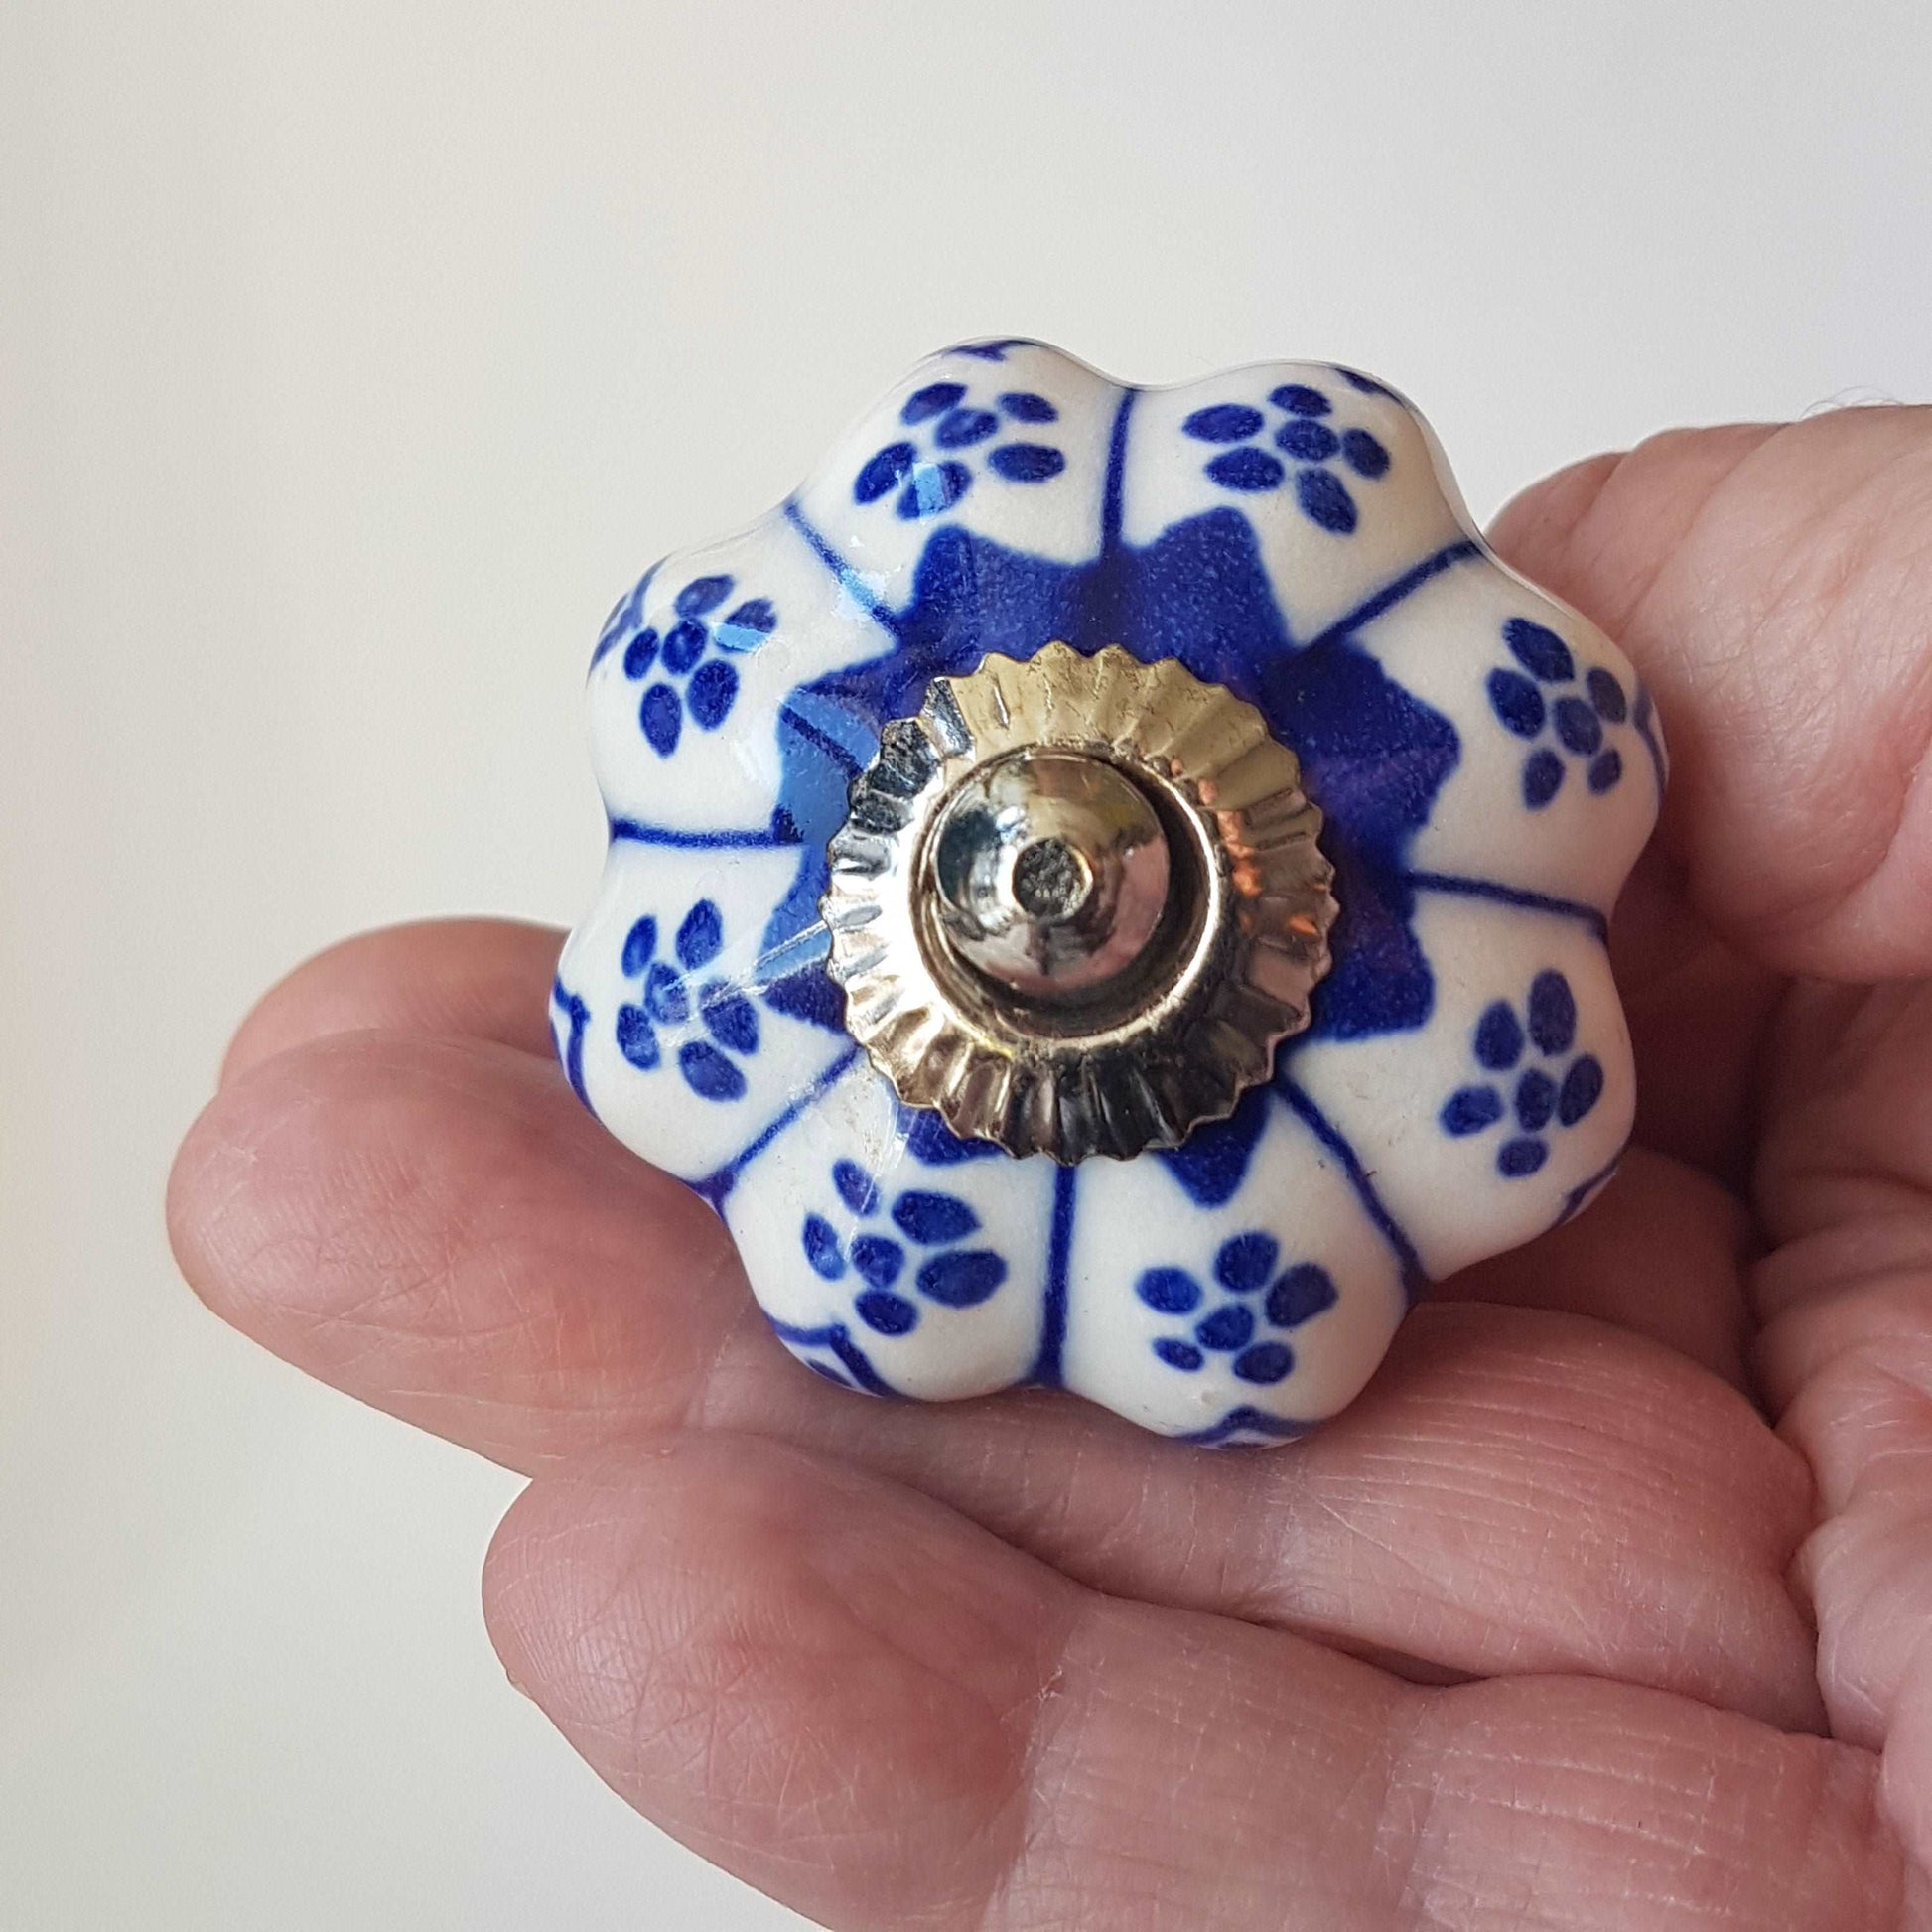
240 1192
437 1227
789 1530
816 1679
553 1572
485 979
1531 532
1597 534
192 1201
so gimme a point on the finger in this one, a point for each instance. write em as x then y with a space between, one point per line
873 1710
1851 1365
487 979
1687 1291
1699 1011
436 1226
1772 585
1846 1353
1517 1490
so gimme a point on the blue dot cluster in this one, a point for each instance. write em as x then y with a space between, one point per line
953 1276
1564 717
1553 1091
665 999
1247 1323
1308 442
960 433
710 686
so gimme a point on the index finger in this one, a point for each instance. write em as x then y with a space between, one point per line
1774 584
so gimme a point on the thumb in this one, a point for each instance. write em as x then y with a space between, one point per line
1774 586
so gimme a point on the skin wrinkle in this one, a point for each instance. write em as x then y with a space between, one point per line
1863 1711
1182 1767
326 1250
1847 905
1784 591
1837 1198
1641 1589
1885 1393
703 1402
887 1632
1875 1534
1404 1815
441 1298
1631 472
1592 1648
1289 1602
1888 1255
1842 1194
1136 1505
1030 1825
1703 1833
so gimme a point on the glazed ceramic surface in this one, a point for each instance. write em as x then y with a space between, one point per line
1487 765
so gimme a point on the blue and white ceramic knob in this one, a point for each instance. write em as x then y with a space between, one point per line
1108 888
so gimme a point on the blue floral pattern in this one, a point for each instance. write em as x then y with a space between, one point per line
1242 1322
935 465
1552 1090
934 1225
1196 526
1303 438
1540 698
666 1001
692 683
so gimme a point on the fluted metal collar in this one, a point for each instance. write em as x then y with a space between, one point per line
1077 902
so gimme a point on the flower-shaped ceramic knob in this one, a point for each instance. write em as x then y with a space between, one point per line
1108 888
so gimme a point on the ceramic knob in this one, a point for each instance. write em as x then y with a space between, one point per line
1107 887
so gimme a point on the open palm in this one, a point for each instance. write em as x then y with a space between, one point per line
1608 1603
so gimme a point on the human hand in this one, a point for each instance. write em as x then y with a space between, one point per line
1552 1628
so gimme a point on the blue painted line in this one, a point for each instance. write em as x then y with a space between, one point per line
1258 1421
717 1184
579 1014
1643 718
855 586
1390 594
1113 494
854 1357
836 1336
993 351
1517 895
1059 1250
618 621
752 839
1575 1201
1415 1280
825 742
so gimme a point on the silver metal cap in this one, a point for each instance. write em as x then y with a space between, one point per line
1077 902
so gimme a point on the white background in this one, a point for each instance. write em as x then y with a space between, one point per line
353 357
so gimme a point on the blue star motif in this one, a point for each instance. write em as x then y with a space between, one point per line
1371 753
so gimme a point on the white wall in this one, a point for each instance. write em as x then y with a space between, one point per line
352 358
